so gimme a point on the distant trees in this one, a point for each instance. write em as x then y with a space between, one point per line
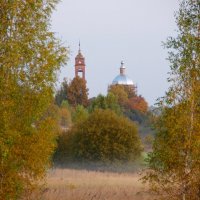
133 106
130 90
100 132
138 103
174 163
80 114
105 102
120 93
65 115
128 98
77 92
61 94
72 99
30 56
105 136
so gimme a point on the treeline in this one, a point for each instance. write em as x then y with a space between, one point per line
121 99
103 128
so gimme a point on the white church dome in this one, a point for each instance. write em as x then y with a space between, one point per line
122 79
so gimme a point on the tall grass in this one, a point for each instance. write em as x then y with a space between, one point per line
83 184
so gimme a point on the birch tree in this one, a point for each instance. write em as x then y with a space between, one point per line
30 56
174 164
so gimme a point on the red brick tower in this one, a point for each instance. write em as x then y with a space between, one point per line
80 64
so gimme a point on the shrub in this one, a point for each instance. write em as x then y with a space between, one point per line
104 136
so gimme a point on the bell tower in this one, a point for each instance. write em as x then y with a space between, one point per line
80 64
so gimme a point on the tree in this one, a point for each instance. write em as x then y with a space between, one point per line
174 163
61 94
128 99
106 102
130 90
105 136
80 114
30 56
65 115
136 116
120 93
77 93
138 103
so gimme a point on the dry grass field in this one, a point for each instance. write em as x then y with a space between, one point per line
82 184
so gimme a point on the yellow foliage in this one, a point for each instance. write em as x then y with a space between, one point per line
30 55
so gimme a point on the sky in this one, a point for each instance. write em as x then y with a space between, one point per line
114 30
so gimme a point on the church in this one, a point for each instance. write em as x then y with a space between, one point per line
121 79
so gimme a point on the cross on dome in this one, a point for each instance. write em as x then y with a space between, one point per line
122 65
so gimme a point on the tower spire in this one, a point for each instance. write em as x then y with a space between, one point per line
80 63
79 47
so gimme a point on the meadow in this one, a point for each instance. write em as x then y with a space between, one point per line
72 183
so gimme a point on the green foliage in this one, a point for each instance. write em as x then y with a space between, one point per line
65 117
80 114
65 104
136 116
30 56
106 102
61 94
105 136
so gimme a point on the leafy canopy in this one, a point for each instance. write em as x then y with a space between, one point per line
30 56
174 163
77 92
105 136
105 102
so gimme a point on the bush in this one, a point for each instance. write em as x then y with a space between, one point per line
103 136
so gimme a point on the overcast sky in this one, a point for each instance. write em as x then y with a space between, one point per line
115 30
